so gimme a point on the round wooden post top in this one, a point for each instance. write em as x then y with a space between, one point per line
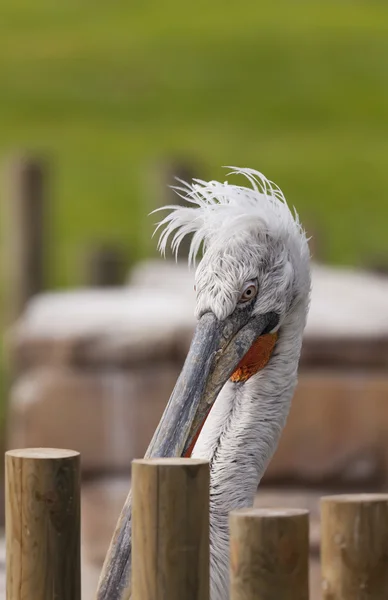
268 513
363 498
170 462
40 453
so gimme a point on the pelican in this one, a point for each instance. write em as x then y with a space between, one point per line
232 398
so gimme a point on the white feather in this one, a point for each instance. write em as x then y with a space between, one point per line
220 209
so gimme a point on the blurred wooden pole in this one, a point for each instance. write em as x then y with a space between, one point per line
354 549
106 266
159 179
24 228
170 529
43 524
269 554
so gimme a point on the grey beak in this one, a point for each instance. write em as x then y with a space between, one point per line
216 350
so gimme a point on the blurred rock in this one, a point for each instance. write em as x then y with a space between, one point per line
336 430
101 501
116 326
154 317
94 370
108 416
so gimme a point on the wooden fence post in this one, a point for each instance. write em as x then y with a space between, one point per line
159 180
24 229
106 266
354 549
43 524
170 529
269 554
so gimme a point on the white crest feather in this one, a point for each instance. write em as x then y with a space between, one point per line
220 209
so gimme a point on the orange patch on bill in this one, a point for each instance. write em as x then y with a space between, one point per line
256 358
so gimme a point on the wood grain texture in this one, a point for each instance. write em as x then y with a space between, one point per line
170 529
43 524
354 543
269 553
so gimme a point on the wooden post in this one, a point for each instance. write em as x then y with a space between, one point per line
106 266
43 524
159 180
354 546
24 224
170 529
269 554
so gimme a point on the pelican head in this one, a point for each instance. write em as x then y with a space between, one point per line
253 277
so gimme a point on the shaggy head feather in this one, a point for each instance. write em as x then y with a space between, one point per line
246 233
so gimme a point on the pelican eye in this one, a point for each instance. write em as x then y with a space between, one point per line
249 292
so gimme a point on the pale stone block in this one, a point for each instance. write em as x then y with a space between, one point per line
336 430
109 416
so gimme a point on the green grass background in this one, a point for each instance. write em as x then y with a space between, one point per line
298 90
